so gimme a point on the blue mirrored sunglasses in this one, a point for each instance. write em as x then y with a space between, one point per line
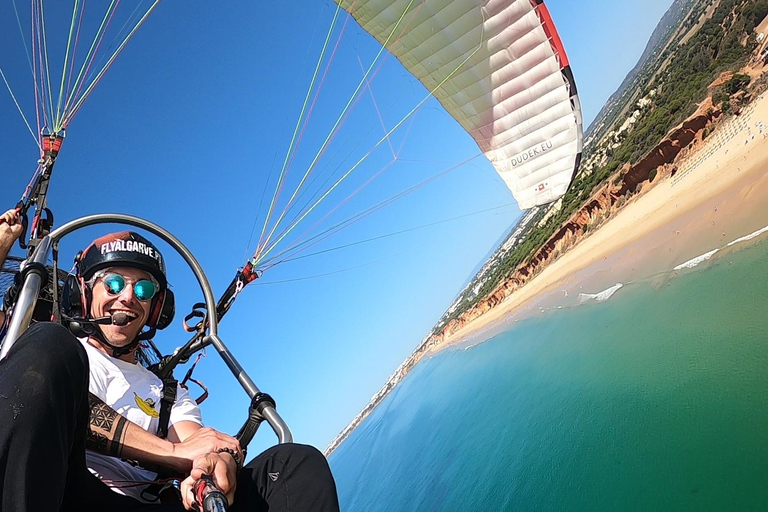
143 289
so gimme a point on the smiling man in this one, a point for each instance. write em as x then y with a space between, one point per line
64 402
121 278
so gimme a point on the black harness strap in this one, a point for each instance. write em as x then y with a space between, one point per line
166 404
154 491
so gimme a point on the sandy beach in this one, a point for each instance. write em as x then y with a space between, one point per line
720 193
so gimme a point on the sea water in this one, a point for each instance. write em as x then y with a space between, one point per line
654 399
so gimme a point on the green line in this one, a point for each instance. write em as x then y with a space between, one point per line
44 49
41 116
358 216
66 60
296 130
423 226
109 62
299 242
364 157
268 283
88 58
341 116
364 213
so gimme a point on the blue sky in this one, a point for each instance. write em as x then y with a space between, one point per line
187 126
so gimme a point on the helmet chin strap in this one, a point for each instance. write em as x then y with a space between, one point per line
125 349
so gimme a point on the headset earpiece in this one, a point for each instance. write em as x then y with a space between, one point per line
72 297
164 310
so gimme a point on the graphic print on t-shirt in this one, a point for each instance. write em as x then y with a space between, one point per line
147 406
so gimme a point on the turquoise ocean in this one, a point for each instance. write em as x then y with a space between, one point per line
655 398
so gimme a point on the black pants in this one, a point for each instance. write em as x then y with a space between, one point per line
43 424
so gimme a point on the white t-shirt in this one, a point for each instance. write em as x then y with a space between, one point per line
124 386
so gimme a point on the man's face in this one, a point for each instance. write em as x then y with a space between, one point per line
104 303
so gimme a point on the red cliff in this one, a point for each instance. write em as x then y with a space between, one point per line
603 203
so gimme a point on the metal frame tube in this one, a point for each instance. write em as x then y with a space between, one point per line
280 428
28 297
119 218
25 304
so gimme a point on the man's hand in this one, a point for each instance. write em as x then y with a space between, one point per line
10 227
10 231
221 467
204 441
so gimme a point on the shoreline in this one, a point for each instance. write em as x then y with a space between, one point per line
719 195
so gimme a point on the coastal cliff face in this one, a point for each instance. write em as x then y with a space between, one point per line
607 200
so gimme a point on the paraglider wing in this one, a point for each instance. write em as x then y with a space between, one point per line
499 68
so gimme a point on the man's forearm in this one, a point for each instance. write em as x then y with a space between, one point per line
106 428
111 434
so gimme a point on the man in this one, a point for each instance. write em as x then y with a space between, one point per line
48 418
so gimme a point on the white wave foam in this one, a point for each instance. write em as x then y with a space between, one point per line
601 296
707 255
697 260
749 237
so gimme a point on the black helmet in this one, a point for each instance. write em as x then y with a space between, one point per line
123 249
